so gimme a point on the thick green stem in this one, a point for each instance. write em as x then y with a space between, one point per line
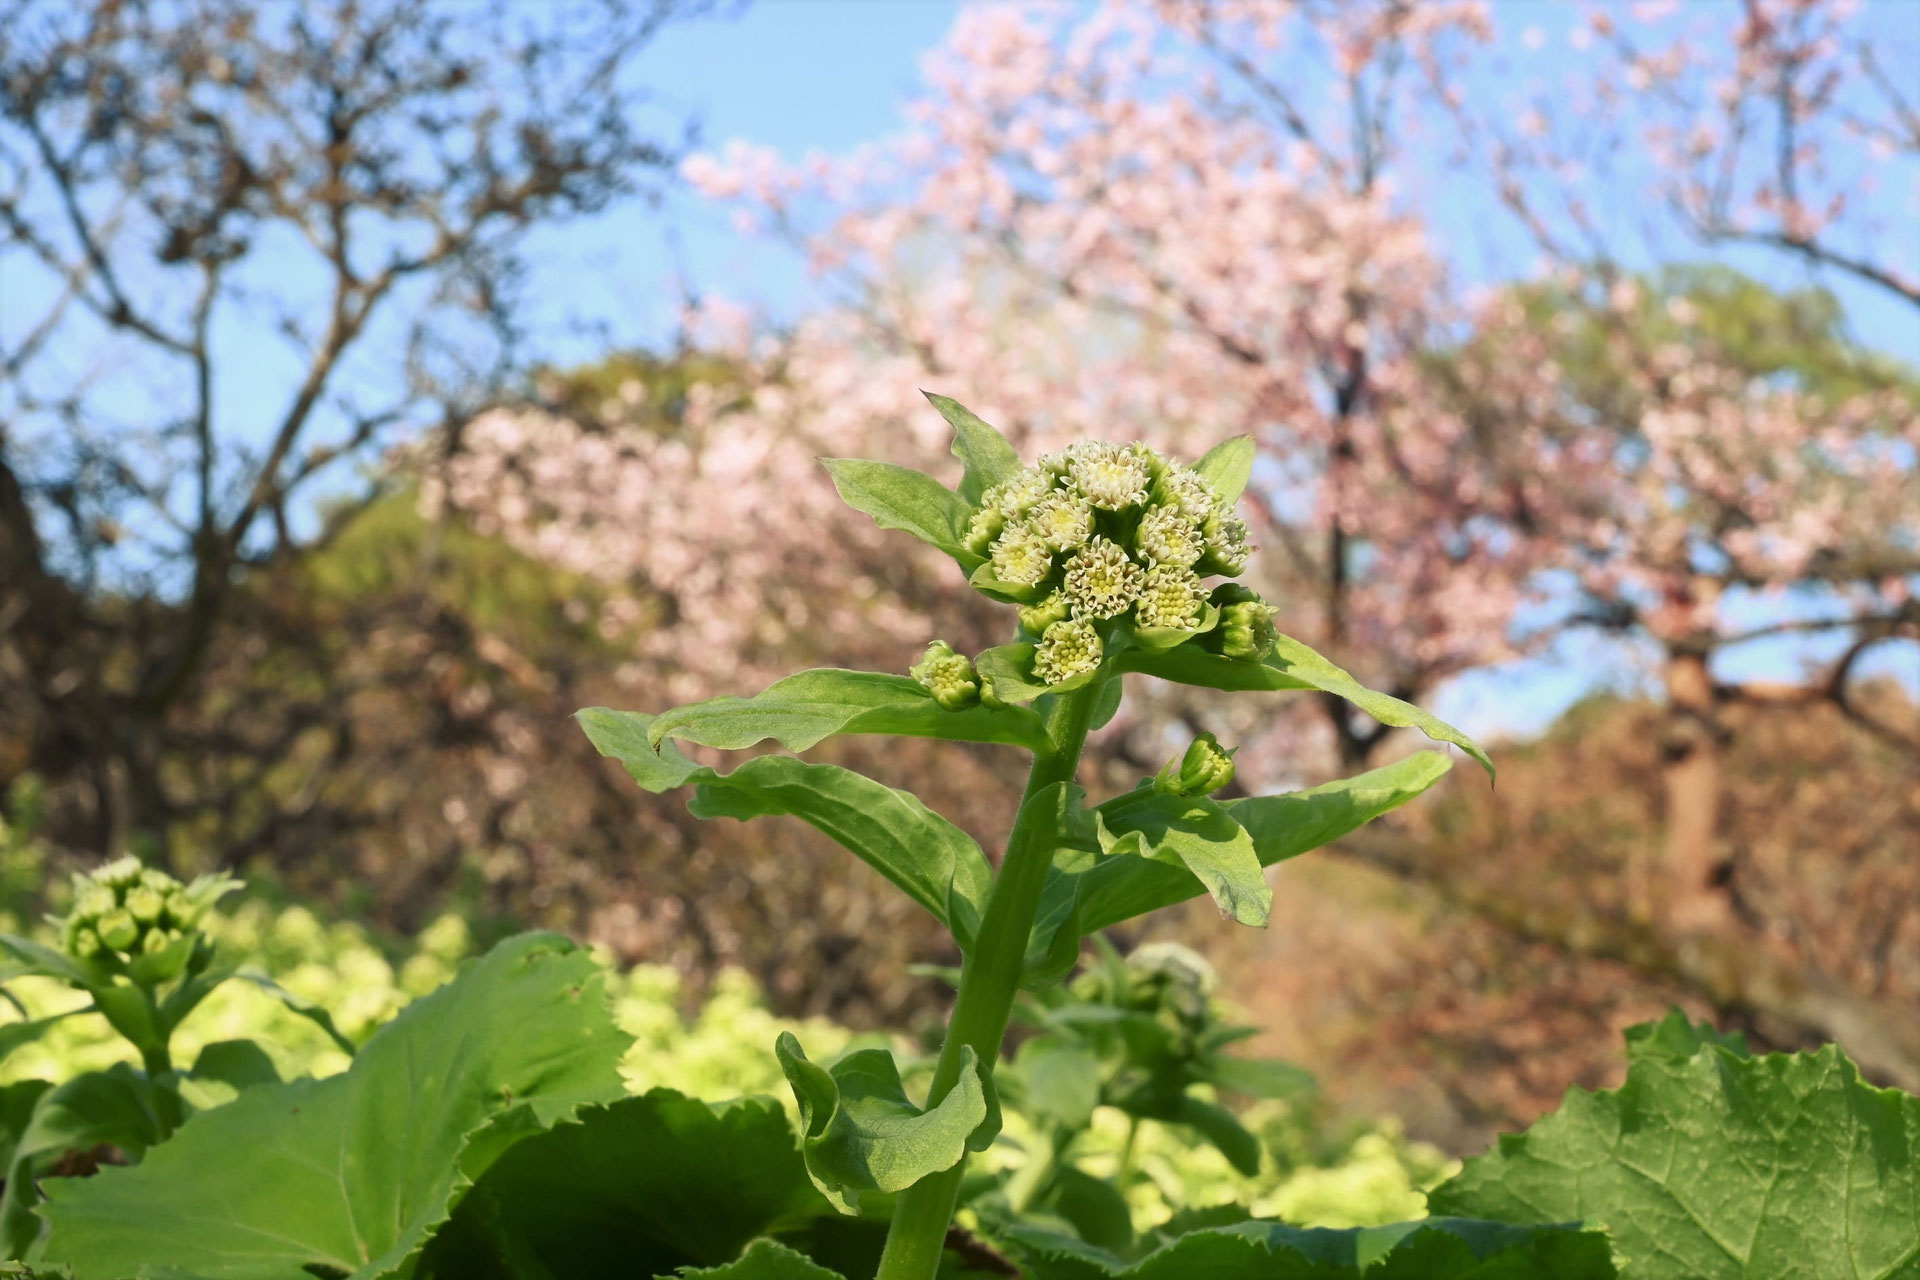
988 983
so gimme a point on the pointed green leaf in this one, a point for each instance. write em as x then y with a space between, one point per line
13 1035
302 1007
1061 1080
1227 467
1260 1077
638 1187
905 499
1293 665
804 709
1222 1129
1287 825
938 865
765 1260
988 458
1197 833
1678 1036
351 1175
1087 891
1717 1166
862 1132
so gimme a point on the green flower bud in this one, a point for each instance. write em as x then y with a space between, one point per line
1067 649
83 943
949 675
983 528
182 910
1037 617
1246 629
92 901
1102 581
1021 557
1111 477
1166 536
146 903
119 873
1227 547
1204 769
1064 520
1187 491
157 940
1170 597
118 929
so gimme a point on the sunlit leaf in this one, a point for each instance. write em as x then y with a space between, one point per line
988 458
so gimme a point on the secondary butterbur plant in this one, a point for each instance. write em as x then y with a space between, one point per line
1116 561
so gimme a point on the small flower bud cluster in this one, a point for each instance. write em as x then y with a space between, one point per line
949 676
123 911
1101 535
1170 977
1246 629
1202 770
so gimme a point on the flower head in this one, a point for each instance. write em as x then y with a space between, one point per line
1021 556
1021 494
1186 490
1067 649
1170 597
948 675
1166 536
1111 477
1227 548
1063 519
983 528
1101 580
1037 617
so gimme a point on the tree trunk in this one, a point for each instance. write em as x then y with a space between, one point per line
1687 894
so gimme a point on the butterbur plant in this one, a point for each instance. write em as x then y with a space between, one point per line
133 945
1114 561
487 1132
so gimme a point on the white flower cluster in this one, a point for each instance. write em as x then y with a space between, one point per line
1104 532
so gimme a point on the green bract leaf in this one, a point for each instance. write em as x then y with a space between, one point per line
1087 891
988 458
1260 1077
1061 1080
1293 665
1220 1127
802 710
764 1260
902 498
937 864
862 1132
982 579
15 1034
639 1187
1436 1249
1227 467
1008 668
1197 833
351 1174
1715 1165
303 1007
